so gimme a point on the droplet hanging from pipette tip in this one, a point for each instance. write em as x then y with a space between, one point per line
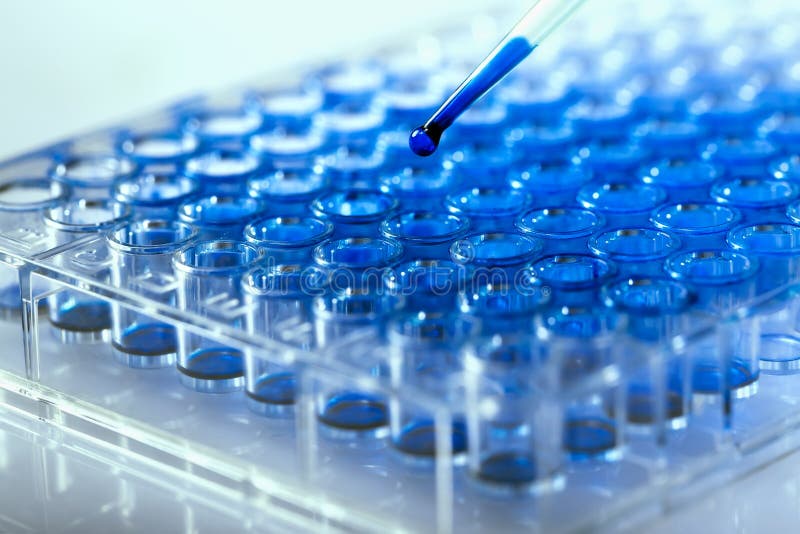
424 140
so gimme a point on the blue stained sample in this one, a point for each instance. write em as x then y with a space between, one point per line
357 262
759 199
288 239
214 126
348 83
783 93
406 104
484 165
562 229
287 232
665 100
216 363
707 378
534 101
354 128
636 251
741 157
69 310
289 110
419 189
144 246
641 408
560 223
488 209
425 139
426 284
682 179
348 169
721 279
82 315
552 184
727 116
155 194
203 268
504 304
222 171
279 149
157 147
358 252
418 438
425 234
542 144
97 171
354 412
582 322
786 134
675 139
356 204
288 192
154 339
393 146
355 212
618 159
276 293
574 271
479 126
711 267
652 306
220 216
507 468
622 203
777 247
589 437
496 250
10 298
767 239
574 278
649 302
277 388
602 122
698 225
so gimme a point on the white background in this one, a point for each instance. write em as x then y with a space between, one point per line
69 66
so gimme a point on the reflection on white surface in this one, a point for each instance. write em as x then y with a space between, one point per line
52 483
65 485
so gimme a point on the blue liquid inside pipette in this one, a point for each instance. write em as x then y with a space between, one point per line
425 139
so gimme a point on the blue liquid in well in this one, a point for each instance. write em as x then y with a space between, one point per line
419 439
10 297
425 139
288 231
422 227
91 316
276 388
707 378
218 363
589 436
354 412
508 468
641 407
153 339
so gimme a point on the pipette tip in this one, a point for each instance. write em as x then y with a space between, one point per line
424 140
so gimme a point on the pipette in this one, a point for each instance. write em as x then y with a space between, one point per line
539 22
